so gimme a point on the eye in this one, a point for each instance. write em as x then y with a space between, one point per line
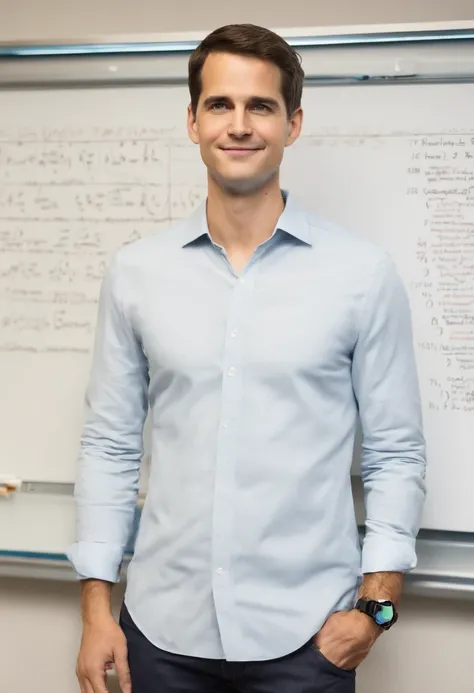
262 107
218 106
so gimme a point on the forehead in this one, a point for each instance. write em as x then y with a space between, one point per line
225 73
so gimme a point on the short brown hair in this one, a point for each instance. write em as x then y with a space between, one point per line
253 41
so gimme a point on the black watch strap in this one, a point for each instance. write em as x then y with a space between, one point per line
383 612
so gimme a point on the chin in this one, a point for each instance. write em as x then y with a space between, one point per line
241 185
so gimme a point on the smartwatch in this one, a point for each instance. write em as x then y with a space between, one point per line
381 611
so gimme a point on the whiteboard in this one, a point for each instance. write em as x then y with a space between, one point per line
83 171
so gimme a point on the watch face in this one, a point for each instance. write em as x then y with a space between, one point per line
385 613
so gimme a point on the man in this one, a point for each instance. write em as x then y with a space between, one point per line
257 333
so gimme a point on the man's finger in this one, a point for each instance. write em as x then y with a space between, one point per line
123 672
86 686
97 683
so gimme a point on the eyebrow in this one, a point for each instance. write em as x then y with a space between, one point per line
267 100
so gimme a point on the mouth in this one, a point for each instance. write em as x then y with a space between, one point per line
240 151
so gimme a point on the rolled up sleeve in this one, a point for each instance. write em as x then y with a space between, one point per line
393 463
111 446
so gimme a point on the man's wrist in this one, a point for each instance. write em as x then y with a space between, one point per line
95 600
386 586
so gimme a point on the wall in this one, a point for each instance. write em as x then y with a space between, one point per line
430 649
63 19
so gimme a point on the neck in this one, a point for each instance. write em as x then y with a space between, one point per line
242 222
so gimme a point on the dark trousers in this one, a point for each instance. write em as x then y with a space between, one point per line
156 671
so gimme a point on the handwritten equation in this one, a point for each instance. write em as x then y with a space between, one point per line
440 189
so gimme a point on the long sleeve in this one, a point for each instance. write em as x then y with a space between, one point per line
385 384
112 439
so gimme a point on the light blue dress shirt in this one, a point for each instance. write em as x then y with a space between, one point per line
248 538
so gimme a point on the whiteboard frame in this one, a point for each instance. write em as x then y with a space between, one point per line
445 567
401 53
296 36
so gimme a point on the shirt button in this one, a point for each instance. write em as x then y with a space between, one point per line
220 570
225 425
233 333
231 372
241 280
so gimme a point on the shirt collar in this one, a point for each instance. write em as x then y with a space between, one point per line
293 221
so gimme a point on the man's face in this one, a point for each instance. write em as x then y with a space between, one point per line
241 123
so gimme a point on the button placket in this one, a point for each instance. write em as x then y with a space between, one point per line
228 448
229 452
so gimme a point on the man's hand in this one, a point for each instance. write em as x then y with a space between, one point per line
103 645
347 637
103 641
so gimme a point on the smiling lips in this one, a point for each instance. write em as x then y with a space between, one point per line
240 151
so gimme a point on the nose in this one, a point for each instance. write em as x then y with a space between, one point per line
239 123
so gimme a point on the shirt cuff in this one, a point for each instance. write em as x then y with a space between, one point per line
385 554
93 560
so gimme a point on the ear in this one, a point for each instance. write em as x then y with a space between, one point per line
295 124
192 127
